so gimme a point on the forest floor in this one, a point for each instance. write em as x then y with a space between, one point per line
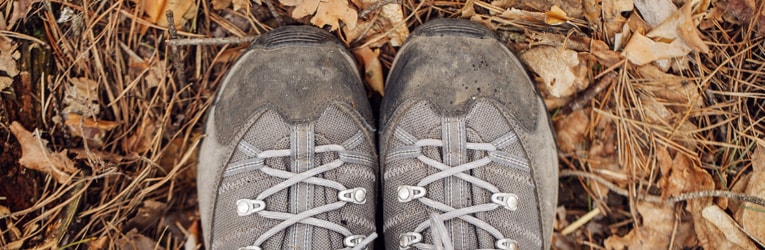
658 108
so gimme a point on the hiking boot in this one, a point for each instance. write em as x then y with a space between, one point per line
288 161
467 151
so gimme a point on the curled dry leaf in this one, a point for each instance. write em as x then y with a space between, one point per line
675 37
332 12
183 10
654 12
81 97
744 11
134 240
656 231
373 75
140 140
35 155
394 14
329 12
89 129
570 130
721 231
8 56
560 69
555 16
753 216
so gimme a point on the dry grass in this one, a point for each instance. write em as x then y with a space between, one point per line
140 175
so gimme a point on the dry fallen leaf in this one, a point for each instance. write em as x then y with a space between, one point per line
332 12
81 97
183 10
656 231
560 69
394 14
753 216
8 56
140 140
137 241
675 37
373 74
89 129
555 16
744 11
303 8
35 155
20 10
724 232
570 130
654 12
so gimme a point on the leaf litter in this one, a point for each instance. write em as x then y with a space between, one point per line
667 94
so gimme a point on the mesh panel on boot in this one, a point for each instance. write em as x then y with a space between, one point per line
270 131
483 124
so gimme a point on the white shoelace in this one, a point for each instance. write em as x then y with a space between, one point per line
247 207
441 238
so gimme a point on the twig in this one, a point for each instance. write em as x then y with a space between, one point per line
656 199
177 63
363 14
274 13
584 99
211 41
581 221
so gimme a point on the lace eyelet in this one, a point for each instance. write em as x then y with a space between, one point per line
409 193
250 248
507 200
353 240
506 244
355 195
246 207
406 240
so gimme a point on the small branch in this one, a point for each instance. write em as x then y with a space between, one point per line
584 99
377 5
656 199
177 63
211 41
274 13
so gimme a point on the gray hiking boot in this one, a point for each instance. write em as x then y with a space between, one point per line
467 152
289 160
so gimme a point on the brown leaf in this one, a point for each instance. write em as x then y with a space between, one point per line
8 56
722 232
332 12
685 176
680 25
555 16
35 155
20 10
560 69
753 216
136 241
303 8
654 12
744 11
220 4
373 74
675 37
570 130
81 97
88 128
394 15
183 10
656 231
140 140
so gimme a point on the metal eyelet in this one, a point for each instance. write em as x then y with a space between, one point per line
354 195
409 193
250 248
507 200
406 240
353 240
506 244
246 207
